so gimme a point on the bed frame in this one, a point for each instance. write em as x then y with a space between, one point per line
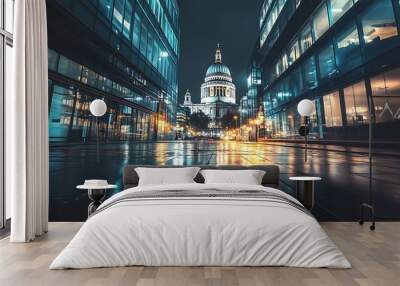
270 179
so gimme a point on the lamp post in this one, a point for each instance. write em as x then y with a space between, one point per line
259 121
236 126
251 130
370 204
98 108
305 108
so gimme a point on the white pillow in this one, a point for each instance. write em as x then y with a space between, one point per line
166 176
247 177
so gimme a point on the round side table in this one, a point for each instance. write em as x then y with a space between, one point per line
96 195
305 189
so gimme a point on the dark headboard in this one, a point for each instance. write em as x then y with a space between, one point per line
271 177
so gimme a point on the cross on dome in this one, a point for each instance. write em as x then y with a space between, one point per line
218 68
218 55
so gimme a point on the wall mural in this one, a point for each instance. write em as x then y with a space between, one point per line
187 84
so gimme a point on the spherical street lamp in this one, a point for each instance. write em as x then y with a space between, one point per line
98 107
305 108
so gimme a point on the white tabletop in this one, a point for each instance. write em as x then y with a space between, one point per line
305 178
87 187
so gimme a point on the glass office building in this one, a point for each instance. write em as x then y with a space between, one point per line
342 54
123 51
250 103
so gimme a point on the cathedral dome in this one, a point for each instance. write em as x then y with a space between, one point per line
218 69
218 85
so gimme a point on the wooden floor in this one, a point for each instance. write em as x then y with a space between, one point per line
375 257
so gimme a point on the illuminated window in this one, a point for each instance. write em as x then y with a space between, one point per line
294 52
270 20
356 103
386 95
60 112
118 14
378 22
347 46
284 62
306 39
339 7
333 114
321 22
127 20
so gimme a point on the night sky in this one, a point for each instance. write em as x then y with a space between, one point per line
204 23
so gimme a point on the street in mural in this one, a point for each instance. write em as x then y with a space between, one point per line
128 55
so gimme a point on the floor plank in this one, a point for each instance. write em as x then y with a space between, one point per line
375 257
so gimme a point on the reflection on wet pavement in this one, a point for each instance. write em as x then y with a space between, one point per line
344 171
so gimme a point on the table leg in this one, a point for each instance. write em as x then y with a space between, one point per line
305 193
96 197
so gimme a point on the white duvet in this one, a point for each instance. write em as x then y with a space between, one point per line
200 232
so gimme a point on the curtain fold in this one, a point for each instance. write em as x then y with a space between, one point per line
27 124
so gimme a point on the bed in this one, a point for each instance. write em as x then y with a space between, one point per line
199 224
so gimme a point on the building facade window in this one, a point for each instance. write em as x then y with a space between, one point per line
150 45
72 70
69 68
105 7
333 114
270 18
327 66
53 60
136 31
356 102
61 107
70 119
339 7
285 63
161 16
310 74
306 39
386 95
118 14
378 22
130 20
127 20
143 39
321 21
294 51
347 46
296 82
353 49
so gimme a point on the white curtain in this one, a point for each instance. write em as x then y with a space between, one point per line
26 124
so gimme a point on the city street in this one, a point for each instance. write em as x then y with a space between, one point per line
344 171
